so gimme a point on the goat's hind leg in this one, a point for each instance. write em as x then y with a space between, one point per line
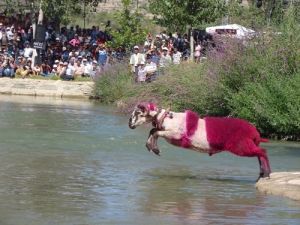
261 169
264 164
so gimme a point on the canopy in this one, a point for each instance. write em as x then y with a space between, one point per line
235 30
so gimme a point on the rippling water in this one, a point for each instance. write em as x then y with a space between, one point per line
71 162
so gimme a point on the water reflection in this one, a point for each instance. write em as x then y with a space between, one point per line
188 197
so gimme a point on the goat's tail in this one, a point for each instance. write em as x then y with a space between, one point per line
263 140
258 140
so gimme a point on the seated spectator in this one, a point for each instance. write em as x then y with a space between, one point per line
79 69
95 72
62 71
36 70
45 70
54 71
25 70
8 68
70 71
75 41
87 68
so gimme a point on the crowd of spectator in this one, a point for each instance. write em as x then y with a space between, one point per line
67 54
74 52
160 52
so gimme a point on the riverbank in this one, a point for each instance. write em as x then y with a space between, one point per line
285 184
53 88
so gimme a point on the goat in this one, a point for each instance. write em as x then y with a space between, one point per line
207 135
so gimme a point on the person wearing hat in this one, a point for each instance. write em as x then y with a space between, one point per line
136 59
70 71
87 68
54 70
95 71
165 60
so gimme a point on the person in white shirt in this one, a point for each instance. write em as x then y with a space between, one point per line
70 70
142 73
165 59
176 56
87 68
94 72
28 51
135 60
151 69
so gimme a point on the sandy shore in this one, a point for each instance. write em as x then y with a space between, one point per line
281 183
53 88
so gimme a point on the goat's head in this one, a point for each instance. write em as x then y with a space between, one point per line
142 113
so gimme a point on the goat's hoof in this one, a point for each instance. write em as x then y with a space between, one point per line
148 147
156 151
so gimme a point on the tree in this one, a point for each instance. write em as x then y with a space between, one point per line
130 30
58 11
178 14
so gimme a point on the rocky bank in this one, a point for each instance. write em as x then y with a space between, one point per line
53 88
281 183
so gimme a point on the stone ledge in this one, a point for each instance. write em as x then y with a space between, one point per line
53 88
285 184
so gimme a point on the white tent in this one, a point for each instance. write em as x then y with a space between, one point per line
234 30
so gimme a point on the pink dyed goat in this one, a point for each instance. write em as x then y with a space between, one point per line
208 135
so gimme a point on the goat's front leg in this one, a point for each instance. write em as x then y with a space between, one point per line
151 142
153 136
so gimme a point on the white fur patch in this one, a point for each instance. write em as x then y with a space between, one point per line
199 139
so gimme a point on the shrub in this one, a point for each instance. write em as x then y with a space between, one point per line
113 83
273 105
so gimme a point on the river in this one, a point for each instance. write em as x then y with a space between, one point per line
70 162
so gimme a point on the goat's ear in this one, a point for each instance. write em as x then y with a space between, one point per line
152 113
142 108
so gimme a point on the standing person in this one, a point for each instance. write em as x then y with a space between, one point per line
142 72
136 59
176 56
102 56
151 69
95 71
165 60
197 52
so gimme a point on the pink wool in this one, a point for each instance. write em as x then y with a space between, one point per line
234 135
151 107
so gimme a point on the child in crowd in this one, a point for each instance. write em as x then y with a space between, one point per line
142 73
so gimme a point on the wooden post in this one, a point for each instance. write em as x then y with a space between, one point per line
192 45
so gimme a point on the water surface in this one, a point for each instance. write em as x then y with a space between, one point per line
77 163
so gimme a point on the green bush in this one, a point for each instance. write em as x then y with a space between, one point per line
113 83
273 105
